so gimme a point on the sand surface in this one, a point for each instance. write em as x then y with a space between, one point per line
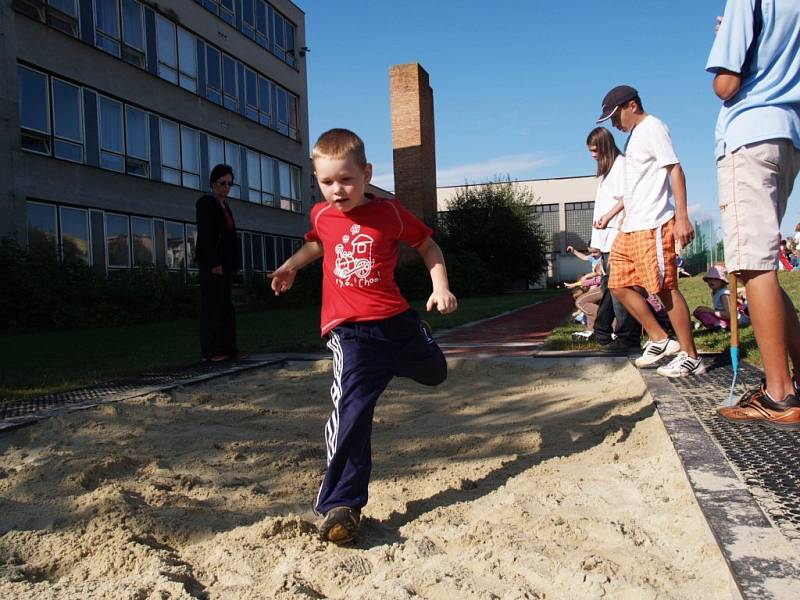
510 481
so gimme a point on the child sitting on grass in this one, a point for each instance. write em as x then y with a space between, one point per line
717 316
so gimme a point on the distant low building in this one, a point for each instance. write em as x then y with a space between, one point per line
565 206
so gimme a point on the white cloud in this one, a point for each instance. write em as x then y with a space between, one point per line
516 166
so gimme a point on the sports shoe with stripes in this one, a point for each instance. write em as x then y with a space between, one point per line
682 365
655 351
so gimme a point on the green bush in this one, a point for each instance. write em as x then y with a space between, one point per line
306 291
42 293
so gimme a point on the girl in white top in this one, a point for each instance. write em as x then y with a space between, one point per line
608 202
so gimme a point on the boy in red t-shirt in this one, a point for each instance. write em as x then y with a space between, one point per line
371 329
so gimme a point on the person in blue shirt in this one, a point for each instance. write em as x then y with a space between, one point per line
755 60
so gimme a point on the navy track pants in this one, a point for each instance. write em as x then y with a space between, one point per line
366 355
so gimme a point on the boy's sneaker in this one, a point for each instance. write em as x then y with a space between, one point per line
340 525
757 406
582 335
655 351
682 365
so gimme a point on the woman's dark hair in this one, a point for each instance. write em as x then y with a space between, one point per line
607 150
220 171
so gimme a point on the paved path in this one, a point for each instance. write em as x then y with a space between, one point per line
517 333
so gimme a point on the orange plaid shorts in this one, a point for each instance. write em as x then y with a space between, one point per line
644 258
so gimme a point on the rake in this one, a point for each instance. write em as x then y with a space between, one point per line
734 320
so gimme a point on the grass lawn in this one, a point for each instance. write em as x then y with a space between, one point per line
49 361
696 293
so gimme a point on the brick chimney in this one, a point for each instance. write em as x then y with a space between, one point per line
413 142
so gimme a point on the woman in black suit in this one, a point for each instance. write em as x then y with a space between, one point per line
217 258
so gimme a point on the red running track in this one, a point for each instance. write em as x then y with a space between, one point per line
514 334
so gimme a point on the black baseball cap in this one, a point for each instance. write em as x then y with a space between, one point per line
617 96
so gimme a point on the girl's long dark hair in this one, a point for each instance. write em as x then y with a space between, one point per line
607 150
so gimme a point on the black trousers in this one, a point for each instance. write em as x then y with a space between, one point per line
217 317
628 330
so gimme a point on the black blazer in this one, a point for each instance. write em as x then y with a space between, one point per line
216 246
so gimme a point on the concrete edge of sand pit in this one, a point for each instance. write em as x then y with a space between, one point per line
761 560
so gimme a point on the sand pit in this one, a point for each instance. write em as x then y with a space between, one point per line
510 481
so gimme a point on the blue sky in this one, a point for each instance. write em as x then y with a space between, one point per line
518 84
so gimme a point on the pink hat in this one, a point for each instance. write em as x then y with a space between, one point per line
717 272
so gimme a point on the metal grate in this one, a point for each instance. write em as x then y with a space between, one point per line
31 409
765 458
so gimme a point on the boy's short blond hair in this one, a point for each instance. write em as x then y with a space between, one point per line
338 144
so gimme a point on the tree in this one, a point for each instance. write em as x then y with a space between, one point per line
494 227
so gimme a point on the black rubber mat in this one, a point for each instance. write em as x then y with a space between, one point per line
767 459
92 395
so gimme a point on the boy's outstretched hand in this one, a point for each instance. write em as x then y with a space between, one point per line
282 279
444 300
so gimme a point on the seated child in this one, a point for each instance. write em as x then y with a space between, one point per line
717 316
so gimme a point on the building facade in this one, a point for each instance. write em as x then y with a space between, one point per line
564 207
113 112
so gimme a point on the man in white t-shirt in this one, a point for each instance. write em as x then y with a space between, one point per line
643 254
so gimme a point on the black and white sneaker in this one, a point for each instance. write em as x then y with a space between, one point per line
655 351
682 365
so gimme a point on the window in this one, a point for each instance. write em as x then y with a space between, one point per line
170 152
232 159
264 101
75 235
118 250
67 121
287 112
133 33
187 59
262 28
166 49
190 158
287 247
547 215
34 110
290 187
137 142
213 75
284 38
269 253
267 180
250 94
176 249
258 253
229 88
280 37
253 177
283 110
226 11
143 247
41 229
248 19
292 108
112 148
579 222
216 153
106 18
63 15
191 246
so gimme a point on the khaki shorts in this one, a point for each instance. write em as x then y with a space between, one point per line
754 184
645 259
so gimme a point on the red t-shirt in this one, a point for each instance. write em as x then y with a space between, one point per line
360 254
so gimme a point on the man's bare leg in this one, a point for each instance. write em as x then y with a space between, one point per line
768 314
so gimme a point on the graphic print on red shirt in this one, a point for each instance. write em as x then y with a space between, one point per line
359 257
